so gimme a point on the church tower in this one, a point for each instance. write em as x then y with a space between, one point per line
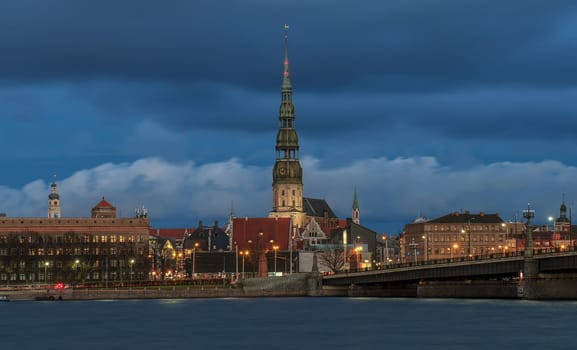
356 211
287 174
53 201
563 223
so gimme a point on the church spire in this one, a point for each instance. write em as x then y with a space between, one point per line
287 172
356 210
286 81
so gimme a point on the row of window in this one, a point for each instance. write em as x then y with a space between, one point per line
462 238
458 228
73 238
474 250
68 251
49 264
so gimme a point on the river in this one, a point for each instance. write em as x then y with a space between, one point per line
288 323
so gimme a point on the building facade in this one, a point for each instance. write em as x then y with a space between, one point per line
455 235
91 250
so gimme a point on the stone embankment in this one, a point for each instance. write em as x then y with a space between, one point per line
295 285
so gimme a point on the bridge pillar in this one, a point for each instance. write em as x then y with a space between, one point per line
530 276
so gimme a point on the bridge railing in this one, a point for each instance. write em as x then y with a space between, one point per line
493 256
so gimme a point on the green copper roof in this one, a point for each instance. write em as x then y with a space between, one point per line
286 81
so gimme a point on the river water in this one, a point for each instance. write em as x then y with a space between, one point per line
288 323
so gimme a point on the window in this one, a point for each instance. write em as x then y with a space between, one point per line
103 239
113 239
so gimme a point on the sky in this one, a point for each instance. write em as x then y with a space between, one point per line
424 107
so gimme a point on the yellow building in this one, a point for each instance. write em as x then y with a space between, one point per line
457 235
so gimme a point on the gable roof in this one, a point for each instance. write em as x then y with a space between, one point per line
317 207
176 233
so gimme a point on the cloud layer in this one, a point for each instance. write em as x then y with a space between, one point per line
391 191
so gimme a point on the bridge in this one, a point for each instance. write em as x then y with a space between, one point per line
546 275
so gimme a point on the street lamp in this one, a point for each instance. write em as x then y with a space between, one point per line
131 263
76 262
194 258
275 248
46 264
455 247
243 254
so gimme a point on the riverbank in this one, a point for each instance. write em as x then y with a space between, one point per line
295 285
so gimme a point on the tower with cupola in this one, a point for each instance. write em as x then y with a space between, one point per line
54 201
563 223
287 174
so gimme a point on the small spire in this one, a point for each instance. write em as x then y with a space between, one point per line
286 82
355 200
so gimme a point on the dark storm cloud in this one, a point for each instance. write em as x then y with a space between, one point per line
372 44
448 69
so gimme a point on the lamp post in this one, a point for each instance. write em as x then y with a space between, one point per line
243 254
275 248
131 262
426 255
236 260
194 259
46 264
76 263
455 247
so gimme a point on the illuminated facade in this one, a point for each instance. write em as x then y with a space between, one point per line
101 249
456 235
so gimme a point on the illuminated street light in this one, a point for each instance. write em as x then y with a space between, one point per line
46 264
455 247
131 263
243 254
194 258
76 263
275 248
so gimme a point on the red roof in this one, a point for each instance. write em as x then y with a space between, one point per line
257 233
103 204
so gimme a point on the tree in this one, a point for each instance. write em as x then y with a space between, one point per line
333 259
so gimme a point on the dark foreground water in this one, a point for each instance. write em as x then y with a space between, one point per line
293 323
